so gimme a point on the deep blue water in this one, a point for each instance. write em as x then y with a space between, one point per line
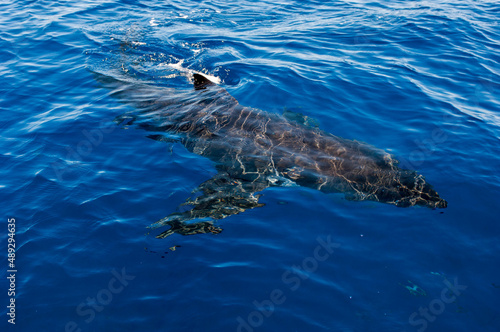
419 79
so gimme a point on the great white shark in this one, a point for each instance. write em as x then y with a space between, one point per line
254 150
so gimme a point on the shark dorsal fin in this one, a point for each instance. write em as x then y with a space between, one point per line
201 82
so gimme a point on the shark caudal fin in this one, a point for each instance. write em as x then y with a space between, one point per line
201 82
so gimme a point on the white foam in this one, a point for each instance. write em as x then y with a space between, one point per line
177 66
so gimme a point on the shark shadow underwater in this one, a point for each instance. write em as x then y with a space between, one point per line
254 150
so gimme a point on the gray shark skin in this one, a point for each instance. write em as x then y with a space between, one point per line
254 150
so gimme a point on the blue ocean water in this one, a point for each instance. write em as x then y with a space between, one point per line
419 79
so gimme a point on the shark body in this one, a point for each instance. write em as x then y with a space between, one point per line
254 150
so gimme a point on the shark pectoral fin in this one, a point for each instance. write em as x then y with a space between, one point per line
184 228
294 116
178 224
221 197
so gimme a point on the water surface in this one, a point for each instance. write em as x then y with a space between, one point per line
418 79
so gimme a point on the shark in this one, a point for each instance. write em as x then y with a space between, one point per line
253 150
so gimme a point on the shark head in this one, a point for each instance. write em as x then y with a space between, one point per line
365 174
408 188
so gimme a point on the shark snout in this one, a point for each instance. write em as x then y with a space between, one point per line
430 198
411 189
422 196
